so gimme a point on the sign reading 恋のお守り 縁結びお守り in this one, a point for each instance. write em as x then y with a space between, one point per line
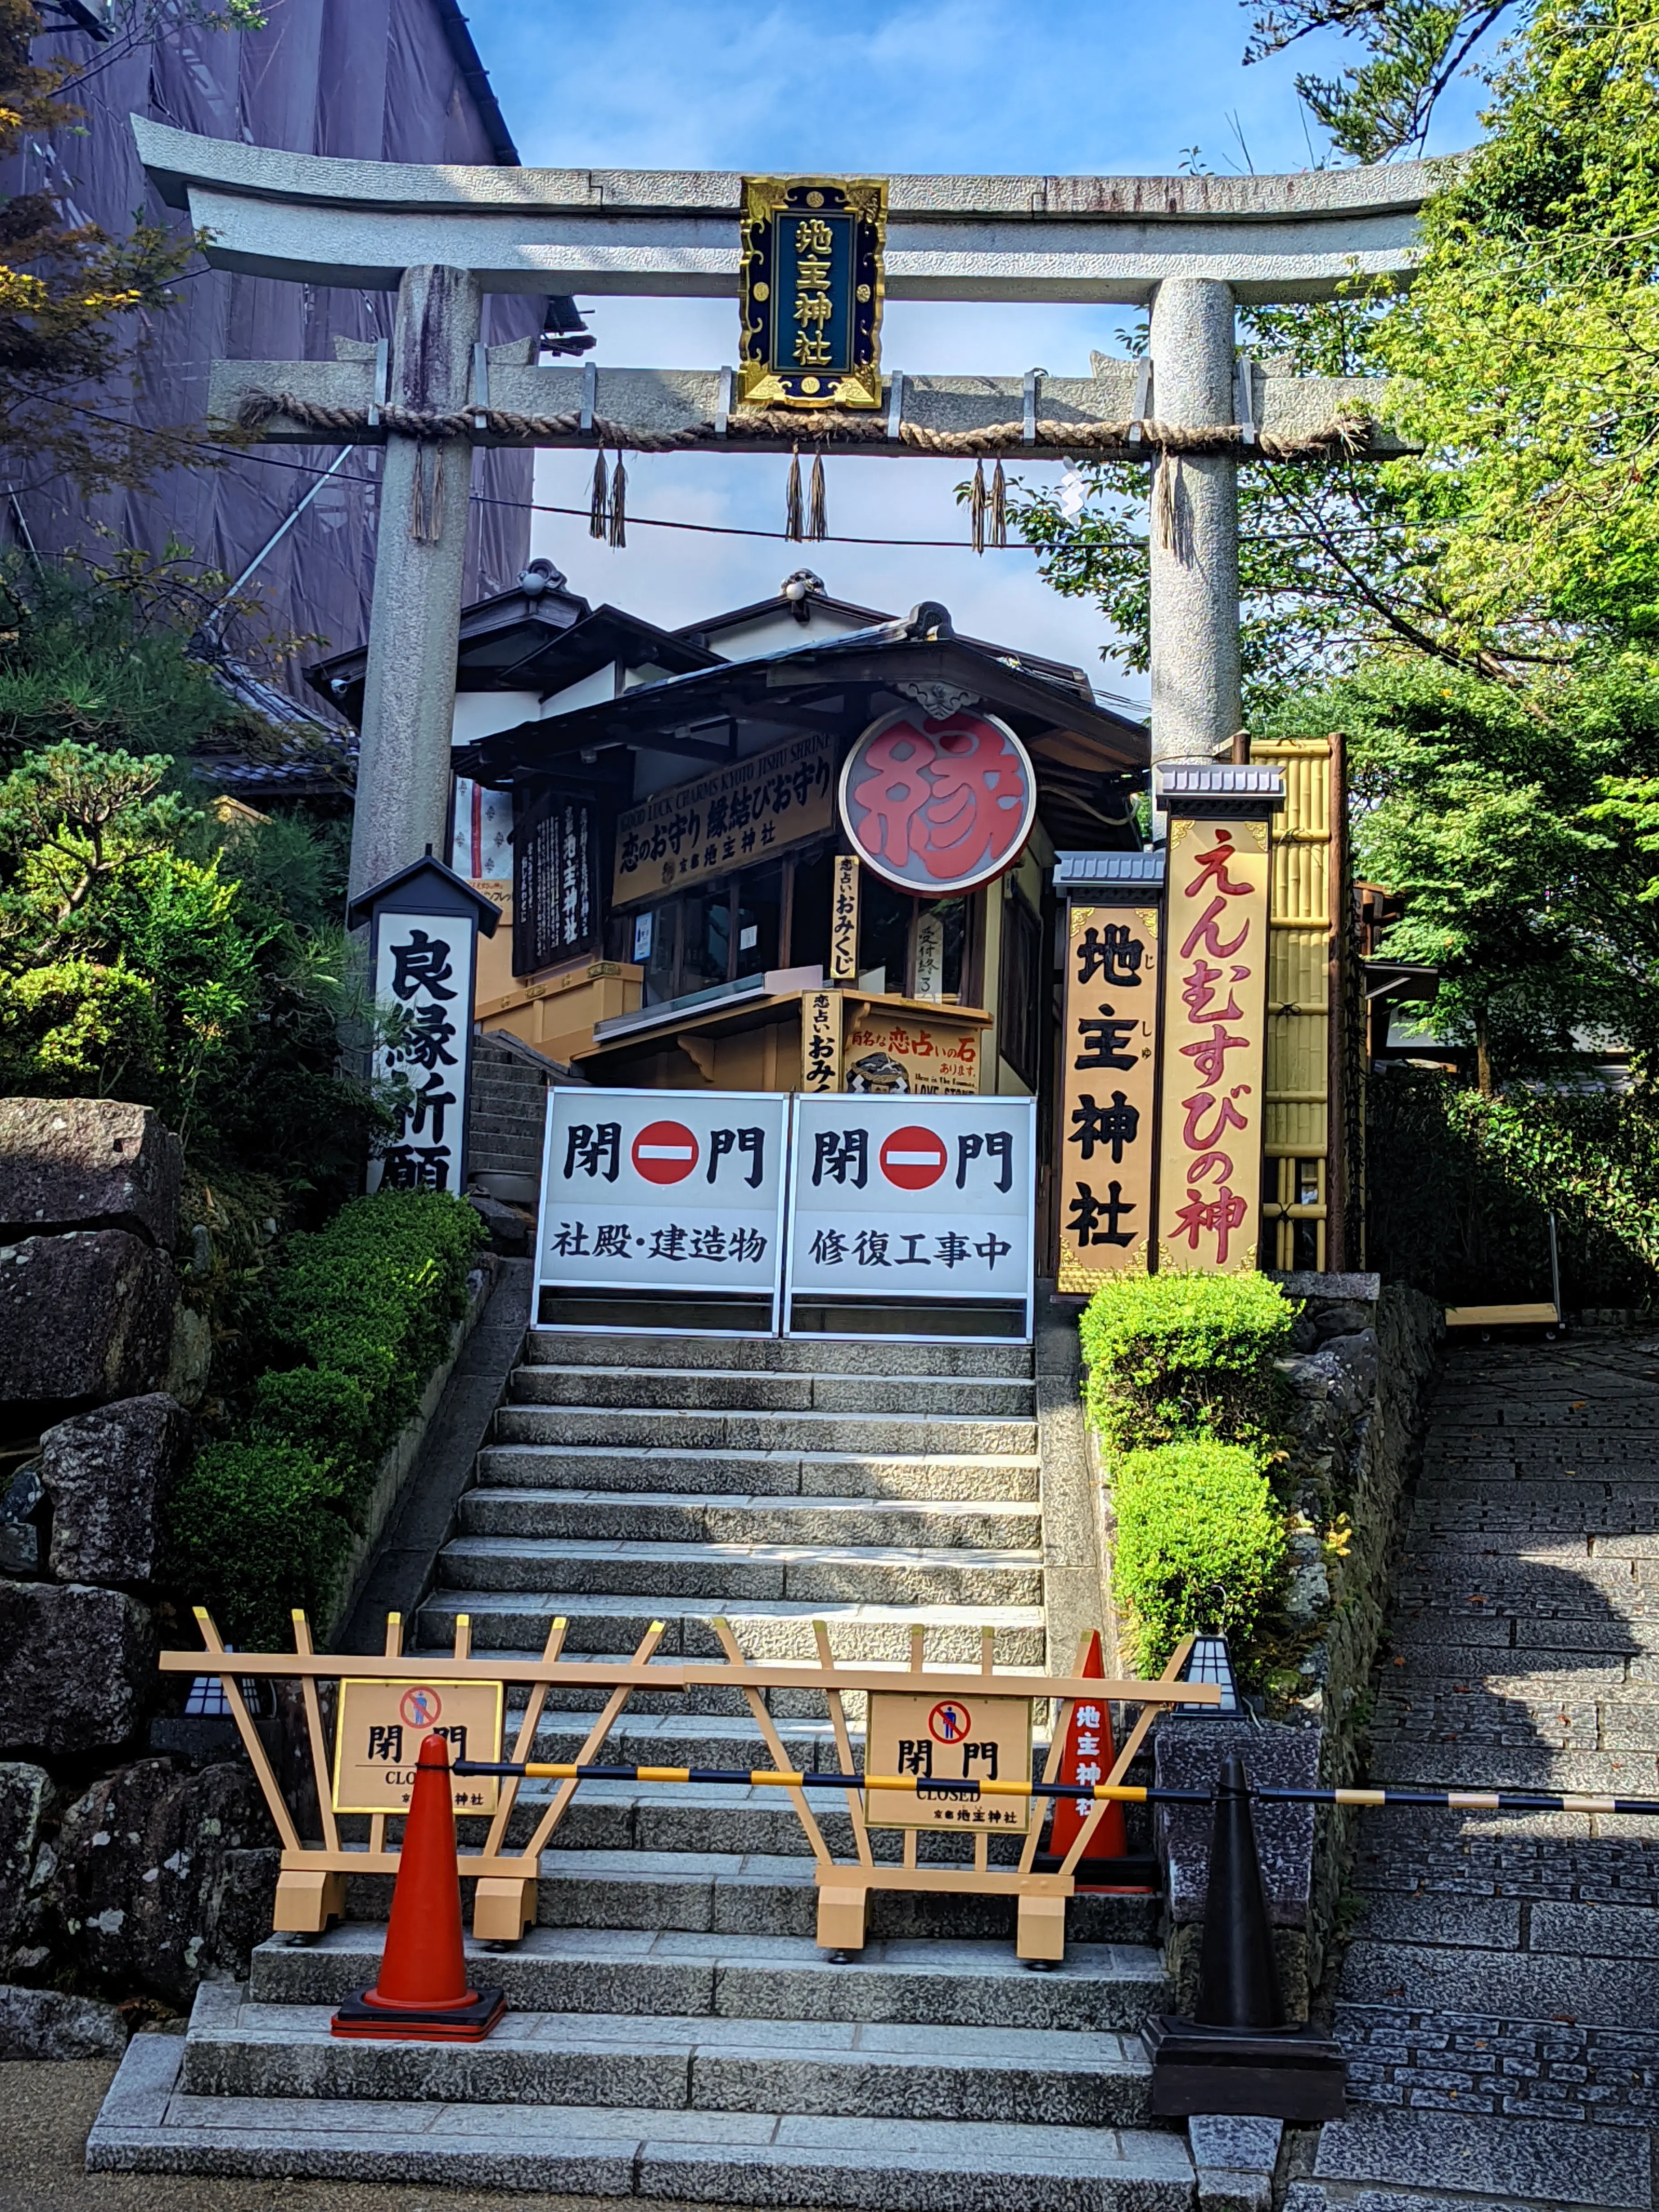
734 816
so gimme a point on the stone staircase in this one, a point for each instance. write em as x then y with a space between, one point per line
507 1116
675 2030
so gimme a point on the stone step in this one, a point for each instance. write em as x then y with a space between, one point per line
510 1619
810 1574
775 1355
1020 2075
654 1972
686 1517
688 1431
714 1389
618 2150
1013 1480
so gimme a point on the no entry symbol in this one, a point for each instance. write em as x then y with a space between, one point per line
913 1158
665 1152
420 1708
949 1722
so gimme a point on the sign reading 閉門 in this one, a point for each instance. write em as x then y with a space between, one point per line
810 291
1213 1054
382 1725
730 818
651 1192
1108 1089
937 805
944 1740
905 1200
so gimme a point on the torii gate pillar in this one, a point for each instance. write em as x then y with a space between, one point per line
415 621
1193 547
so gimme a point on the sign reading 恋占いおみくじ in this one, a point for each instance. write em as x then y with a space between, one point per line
1214 1048
1108 1070
937 805
380 1730
941 1740
730 818
649 1193
924 1200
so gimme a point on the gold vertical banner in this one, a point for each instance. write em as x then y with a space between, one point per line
844 921
1214 1049
820 1041
1107 1133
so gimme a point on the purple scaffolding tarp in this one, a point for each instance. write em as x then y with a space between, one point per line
371 79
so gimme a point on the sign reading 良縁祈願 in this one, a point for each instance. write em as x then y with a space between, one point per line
910 1201
1214 1052
1108 1077
810 291
733 817
650 1194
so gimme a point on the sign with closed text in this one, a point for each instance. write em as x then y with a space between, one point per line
651 1192
1108 1083
382 1725
945 1748
905 1200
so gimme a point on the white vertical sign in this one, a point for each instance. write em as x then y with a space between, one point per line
650 1192
423 967
928 1200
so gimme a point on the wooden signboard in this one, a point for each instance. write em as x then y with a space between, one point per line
844 921
945 1740
378 1734
1214 1045
1108 1132
733 816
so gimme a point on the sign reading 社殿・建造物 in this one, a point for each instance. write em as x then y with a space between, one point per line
1213 1052
937 805
732 817
649 1193
907 1199
810 291
1109 1075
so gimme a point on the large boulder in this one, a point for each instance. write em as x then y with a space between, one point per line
109 1474
161 1878
77 1664
26 1803
81 1163
88 1315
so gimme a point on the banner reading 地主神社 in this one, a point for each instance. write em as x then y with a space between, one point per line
1214 1043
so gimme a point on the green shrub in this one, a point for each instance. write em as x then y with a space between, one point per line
1200 1545
1184 1355
255 1532
362 1310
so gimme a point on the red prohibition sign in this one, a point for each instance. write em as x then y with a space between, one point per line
420 1708
913 1158
665 1152
950 1723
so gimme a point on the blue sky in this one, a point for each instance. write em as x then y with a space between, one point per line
950 85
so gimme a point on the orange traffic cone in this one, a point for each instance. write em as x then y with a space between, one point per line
1089 1756
421 1994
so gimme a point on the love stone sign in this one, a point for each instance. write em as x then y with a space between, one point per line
937 805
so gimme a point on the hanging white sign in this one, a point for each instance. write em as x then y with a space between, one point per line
424 983
906 1198
651 1192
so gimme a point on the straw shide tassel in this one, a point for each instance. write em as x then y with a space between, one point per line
599 501
817 520
618 506
977 508
792 503
998 508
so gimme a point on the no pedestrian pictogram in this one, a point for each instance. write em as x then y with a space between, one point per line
950 1723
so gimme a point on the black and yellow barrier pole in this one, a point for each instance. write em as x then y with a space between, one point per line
1124 1793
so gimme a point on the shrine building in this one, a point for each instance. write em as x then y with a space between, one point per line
721 861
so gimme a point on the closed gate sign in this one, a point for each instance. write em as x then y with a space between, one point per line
945 1748
382 1725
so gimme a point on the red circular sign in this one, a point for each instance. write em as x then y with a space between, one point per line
950 1723
913 1158
939 804
665 1152
420 1708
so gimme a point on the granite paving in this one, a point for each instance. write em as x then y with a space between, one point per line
1500 2001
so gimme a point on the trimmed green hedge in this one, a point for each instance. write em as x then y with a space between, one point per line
1200 1545
359 1314
1184 1355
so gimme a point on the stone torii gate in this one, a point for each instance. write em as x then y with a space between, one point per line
1190 248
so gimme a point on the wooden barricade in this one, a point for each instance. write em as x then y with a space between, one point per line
310 1886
